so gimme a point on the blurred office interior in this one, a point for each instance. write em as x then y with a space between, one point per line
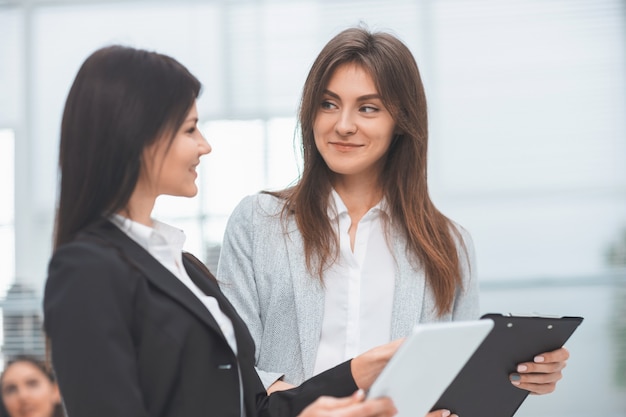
527 107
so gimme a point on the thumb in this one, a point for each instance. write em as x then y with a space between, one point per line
357 397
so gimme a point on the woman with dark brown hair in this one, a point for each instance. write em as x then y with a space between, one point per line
356 253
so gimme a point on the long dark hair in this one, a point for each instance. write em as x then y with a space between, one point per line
41 366
122 100
431 237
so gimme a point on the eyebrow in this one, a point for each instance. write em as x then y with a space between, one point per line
360 98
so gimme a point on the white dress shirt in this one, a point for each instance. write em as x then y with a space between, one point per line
358 288
165 244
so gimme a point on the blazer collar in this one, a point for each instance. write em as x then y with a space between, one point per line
158 275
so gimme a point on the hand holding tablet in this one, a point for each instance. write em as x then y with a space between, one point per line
427 362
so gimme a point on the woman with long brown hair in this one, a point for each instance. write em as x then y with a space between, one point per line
356 253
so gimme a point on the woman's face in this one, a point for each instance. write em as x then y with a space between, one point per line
352 128
28 392
172 171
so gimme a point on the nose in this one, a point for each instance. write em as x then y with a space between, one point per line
21 395
204 146
346 124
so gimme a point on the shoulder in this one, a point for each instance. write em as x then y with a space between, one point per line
86 252
263 202
461 236
465 249
87 276
257 208
255 224
89 263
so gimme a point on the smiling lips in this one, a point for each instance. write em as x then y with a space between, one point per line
344 146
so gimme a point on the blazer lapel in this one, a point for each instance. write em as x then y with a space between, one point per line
157 274
309 300
204 279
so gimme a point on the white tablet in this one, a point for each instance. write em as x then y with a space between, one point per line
427 362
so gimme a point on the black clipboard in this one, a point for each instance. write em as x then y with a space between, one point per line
482 388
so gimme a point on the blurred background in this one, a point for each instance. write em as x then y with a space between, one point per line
527 107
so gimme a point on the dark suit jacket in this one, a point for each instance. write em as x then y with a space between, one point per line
129 339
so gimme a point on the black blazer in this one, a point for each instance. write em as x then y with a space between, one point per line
129 339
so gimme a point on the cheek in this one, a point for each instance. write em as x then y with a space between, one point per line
319 143
45 398
316 132
385 139
381 146
323 125
11 403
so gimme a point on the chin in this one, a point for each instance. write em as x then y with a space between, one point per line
185 193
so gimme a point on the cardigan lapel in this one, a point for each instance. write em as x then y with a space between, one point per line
308 297
156 273
408 298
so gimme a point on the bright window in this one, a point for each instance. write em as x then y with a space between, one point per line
247 156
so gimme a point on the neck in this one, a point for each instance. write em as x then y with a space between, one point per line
359 196
140 205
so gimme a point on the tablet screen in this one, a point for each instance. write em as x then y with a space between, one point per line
427 362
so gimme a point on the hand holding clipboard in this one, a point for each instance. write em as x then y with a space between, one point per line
482 388
467 365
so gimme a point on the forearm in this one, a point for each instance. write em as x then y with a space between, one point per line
335 382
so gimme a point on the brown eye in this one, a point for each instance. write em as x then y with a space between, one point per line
369 109
327 105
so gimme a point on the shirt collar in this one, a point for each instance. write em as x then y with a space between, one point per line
147 237
337 206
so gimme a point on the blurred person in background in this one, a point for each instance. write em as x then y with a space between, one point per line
29 389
